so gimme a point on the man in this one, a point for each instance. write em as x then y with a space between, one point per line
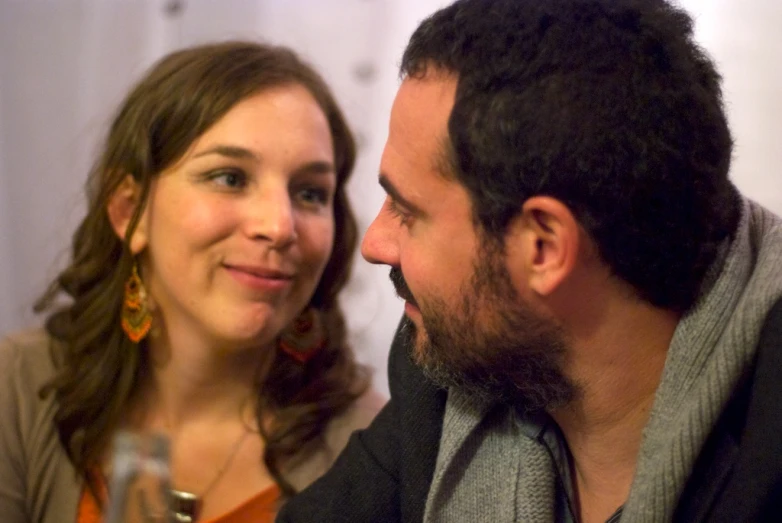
590 327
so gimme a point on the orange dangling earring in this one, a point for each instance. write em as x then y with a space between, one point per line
305 337
136 316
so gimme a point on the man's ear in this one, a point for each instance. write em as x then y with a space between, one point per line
121 206
549 234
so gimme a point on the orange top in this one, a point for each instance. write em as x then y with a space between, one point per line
260 508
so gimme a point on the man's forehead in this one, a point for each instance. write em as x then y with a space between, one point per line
415 155
419 120
435 90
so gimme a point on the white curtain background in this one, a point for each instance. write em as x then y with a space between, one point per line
65 65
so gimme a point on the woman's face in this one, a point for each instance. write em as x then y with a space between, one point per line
237 233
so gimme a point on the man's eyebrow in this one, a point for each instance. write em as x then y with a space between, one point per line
394 193
231 151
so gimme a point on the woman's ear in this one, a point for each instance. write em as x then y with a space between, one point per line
121 206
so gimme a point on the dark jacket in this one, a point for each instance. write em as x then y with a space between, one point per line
385 472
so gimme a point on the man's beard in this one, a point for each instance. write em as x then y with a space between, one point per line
493 346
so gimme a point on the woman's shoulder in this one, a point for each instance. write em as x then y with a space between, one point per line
25 357
357 416
309 467
26 351
25 366
34 469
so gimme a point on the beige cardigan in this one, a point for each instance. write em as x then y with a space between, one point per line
38 484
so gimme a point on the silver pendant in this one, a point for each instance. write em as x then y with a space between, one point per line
184 506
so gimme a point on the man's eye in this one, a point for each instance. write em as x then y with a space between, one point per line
398 213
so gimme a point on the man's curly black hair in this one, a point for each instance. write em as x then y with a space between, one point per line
607 105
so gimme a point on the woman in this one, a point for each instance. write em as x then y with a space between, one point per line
203 299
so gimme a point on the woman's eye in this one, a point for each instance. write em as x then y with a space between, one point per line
229 179
314 195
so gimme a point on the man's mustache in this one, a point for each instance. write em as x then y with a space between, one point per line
400 285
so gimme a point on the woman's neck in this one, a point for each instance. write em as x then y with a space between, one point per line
189 381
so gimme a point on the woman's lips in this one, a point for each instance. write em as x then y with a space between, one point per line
260 278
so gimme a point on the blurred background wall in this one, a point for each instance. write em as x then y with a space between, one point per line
65 65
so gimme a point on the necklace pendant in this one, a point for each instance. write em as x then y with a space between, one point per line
184 506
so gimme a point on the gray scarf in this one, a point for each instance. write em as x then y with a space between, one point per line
487 470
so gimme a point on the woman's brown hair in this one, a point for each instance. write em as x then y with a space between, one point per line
181 97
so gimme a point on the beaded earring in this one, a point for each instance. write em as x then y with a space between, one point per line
136 316
305 336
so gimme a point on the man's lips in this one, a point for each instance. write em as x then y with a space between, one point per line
400 286
411 308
